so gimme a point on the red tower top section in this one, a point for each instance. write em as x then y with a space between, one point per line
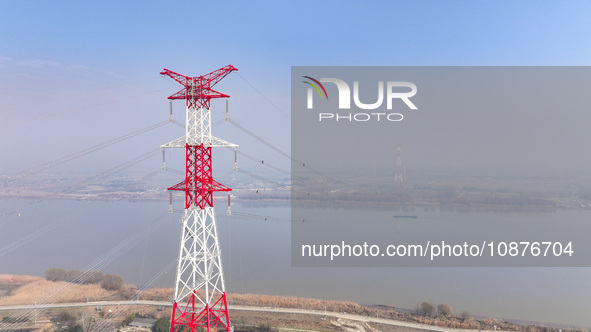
198 90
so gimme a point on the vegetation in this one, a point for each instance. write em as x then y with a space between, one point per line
426 308
112 282
108 281
262 328
13 320
293 302
133 316
65 318
87 322
75 328
161 325
444 309
78 322
465 315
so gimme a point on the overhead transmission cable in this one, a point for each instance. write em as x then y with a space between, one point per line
42 117
87 271
297 162
28 238
91 149
261 178
90 180
78 154
262 162
264 97
106 324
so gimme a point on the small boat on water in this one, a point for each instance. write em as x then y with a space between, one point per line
406 216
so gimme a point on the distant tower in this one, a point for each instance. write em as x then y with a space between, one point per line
199 278
398 175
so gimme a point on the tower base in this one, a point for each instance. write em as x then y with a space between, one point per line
209 319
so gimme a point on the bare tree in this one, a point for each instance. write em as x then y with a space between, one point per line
465 315
55 274
112 282
87 321
427 308
94 277
444 309
74 276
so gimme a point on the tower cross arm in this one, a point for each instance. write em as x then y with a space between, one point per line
215 76
207 80
209 93
182 79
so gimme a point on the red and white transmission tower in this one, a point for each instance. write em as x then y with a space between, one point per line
199 294
398 175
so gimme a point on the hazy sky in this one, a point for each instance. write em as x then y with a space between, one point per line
78 74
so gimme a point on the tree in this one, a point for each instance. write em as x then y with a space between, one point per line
74 276
112 282
55 274
444 309
262 328
418 309
76 328
161 325
14 320
87 322
129 319
65 318
465 315
94 277
427 308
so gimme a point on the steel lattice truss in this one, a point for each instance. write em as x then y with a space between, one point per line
199 277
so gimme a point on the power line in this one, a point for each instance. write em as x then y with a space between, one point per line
81 108
239 126
257 216
116 168
264 97
262 162
105 324
261 178
97 265
89 180
276 149
89 150
28 238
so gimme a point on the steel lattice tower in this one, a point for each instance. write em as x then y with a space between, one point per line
398 175
199 275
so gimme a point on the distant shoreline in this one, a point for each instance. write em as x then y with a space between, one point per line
283 199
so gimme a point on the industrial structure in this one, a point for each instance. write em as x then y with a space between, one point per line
398 174
199 295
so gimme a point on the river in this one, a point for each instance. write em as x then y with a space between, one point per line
137 240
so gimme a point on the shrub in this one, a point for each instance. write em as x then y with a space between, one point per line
129 319
161 325
65 317
14 320
465 316
55 274
427 308
77 328
94 277
444 309
74 276
112 282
